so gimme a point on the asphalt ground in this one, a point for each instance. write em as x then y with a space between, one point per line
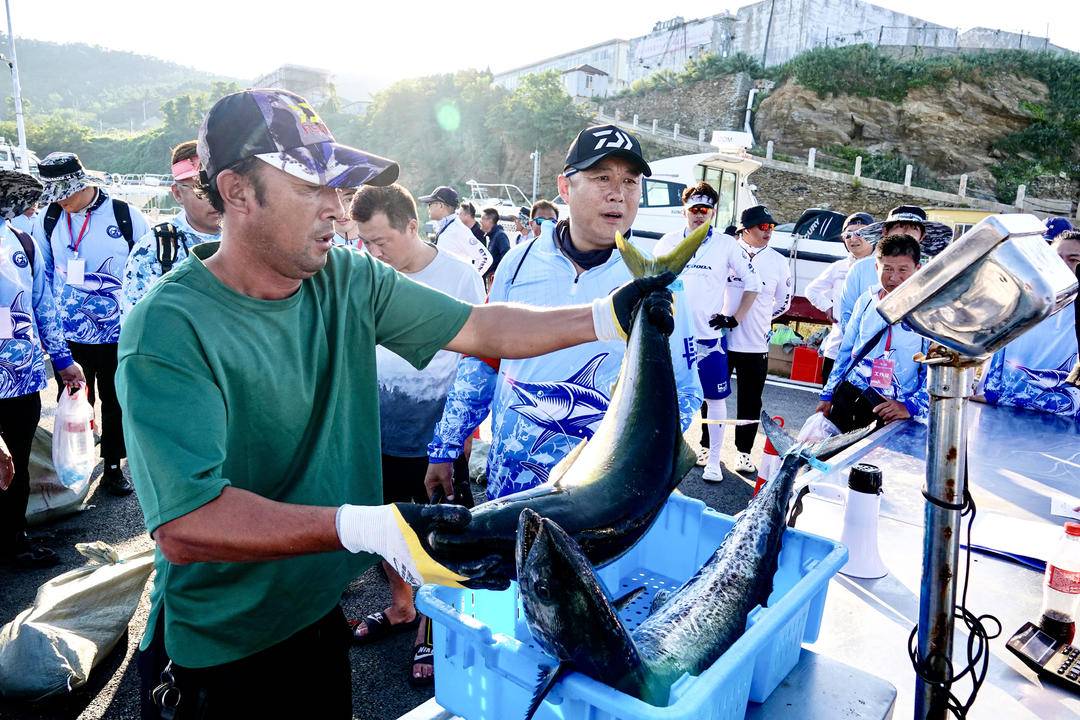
380 671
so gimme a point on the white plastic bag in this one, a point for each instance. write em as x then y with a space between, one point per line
72 456
76 619
817 428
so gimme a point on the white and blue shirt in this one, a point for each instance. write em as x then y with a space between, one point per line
900 344
142 269
542 407
89 311
862 273
32 318
1030 371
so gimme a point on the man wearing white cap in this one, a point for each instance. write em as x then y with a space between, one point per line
85 237
705 279
156 252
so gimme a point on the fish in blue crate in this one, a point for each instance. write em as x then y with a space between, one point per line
688 629
608 491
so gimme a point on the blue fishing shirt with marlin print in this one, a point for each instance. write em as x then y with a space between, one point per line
90 310
1030 371
542 407
31 326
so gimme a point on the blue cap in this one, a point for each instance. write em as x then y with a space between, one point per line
1055 226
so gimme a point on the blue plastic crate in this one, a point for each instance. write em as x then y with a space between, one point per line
486 662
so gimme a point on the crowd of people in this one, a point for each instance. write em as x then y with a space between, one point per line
295 298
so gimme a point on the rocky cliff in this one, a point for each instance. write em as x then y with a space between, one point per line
949 131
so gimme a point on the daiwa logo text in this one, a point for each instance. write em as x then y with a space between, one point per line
620 140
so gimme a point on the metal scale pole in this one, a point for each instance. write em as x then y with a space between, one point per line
949 380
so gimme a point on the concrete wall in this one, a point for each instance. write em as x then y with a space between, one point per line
670 47
800 25
613 57
1003 40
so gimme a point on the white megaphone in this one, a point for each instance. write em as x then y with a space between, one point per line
861 523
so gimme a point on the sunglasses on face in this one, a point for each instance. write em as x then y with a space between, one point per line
763 227
699 210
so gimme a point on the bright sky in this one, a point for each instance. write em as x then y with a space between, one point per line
383 43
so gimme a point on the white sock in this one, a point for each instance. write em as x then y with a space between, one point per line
717 411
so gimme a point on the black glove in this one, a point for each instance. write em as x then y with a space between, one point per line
723 322
613 316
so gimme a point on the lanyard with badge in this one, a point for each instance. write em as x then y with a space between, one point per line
76 266
883 368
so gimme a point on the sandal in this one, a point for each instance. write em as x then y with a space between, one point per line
423 654
379 626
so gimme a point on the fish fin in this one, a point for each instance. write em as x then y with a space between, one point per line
781 441
545 681
563 465
830 446
622 601
586 376
542 438
658 599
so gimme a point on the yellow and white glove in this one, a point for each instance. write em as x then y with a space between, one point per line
399 534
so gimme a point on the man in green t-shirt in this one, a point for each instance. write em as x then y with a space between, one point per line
248 375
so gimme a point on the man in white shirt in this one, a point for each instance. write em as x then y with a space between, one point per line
825 291
410 401
748 341
705 282
451 235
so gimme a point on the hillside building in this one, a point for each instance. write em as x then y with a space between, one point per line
310 83
772 32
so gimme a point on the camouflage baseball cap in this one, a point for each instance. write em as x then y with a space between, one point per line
282 129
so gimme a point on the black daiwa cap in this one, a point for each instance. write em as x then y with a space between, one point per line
595 143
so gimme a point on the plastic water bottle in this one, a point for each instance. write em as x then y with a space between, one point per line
1061 587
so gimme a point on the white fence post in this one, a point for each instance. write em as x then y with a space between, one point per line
701 136
675 132
600 111
654 127
963 186
768 150
858 166
1021 193
635 120
907 175
616 115
810 158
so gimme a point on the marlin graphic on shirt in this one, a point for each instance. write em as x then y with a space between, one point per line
20 321
1057 396
571 407
99 302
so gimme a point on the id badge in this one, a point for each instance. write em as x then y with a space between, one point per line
881 373
76 271
7 327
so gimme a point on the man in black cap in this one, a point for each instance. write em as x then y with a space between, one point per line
268 337
748 340
826 290
451 234
571 261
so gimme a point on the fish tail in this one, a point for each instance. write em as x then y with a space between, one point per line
641 265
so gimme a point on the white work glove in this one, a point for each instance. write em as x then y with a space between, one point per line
399 534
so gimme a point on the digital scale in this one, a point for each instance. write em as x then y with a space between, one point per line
1053 660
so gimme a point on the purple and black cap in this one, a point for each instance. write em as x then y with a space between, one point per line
282 129
595 143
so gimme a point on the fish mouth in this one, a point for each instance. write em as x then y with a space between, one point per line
529 526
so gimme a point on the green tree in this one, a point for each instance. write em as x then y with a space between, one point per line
538 114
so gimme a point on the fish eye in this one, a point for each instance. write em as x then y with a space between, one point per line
542 590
